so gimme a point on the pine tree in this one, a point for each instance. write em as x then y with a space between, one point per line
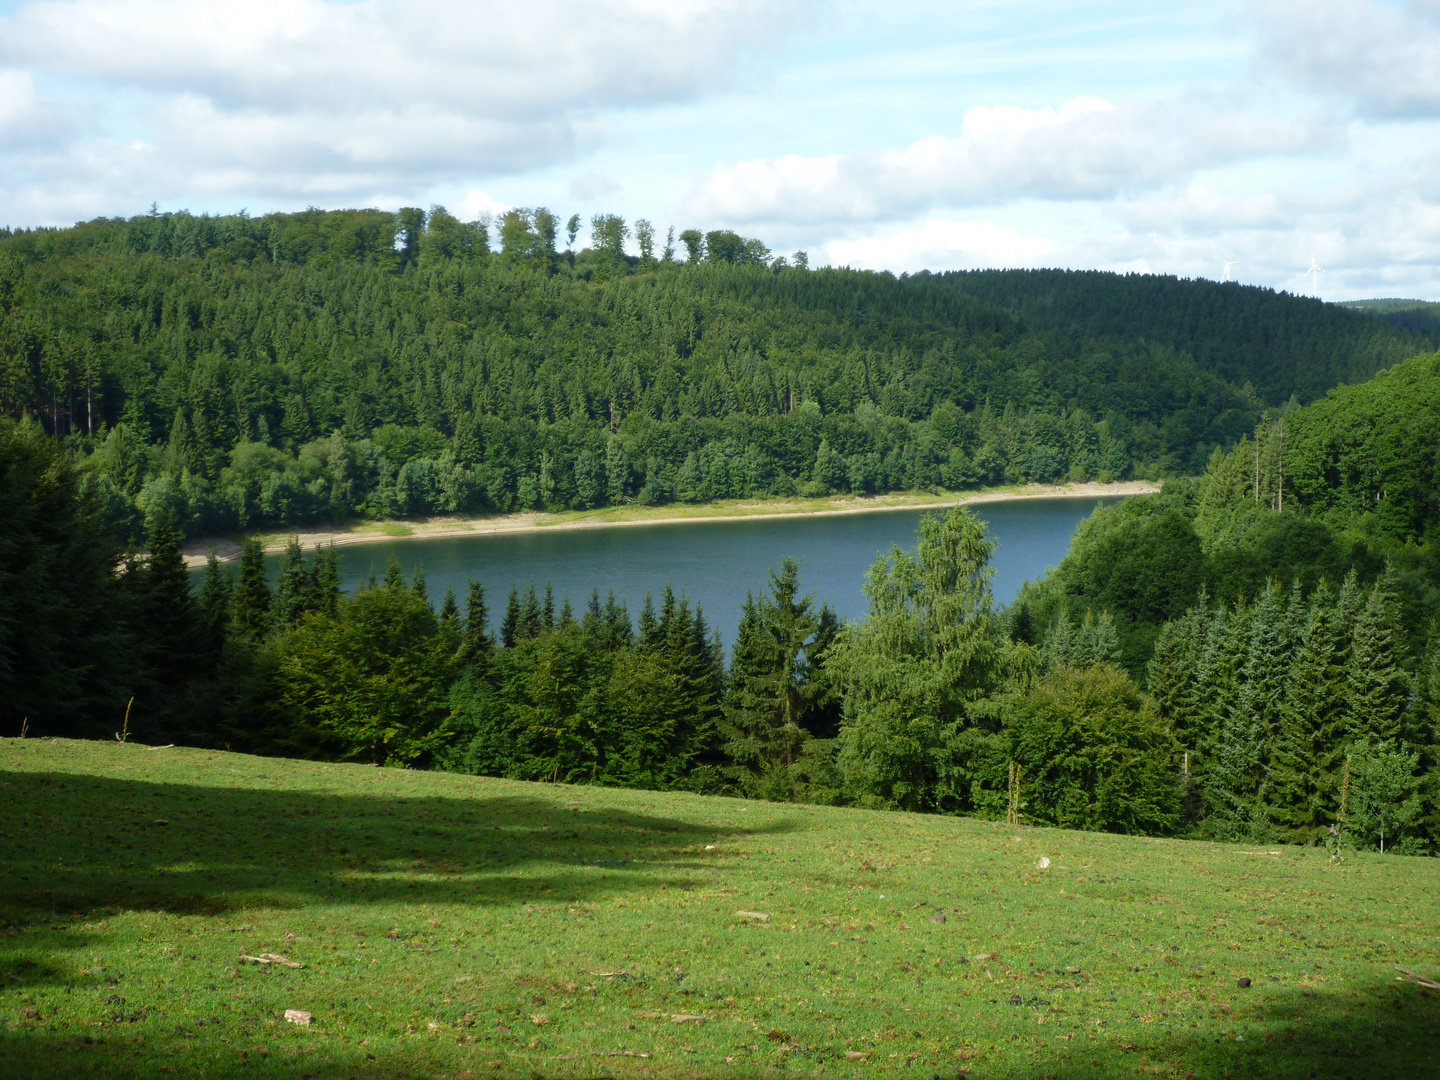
449 609
1097 642
291 598
1061 644
1377 687
1262 689
510 625
476 646
325 581
168 620
216 598
252 597
1309 748
775 684
1230 751
394 573
528 627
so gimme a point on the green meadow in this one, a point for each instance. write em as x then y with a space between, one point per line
437 925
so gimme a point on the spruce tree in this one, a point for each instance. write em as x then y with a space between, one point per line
528 626
510 625
1061 644
293 585
252 596
476 646
449 609
1377 687
216 598
325 581
775 684
394 573
1309 748
1262 677
1229 751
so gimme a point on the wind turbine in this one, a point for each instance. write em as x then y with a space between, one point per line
1315 271
1225 276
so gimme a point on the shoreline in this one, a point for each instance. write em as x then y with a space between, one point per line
227 549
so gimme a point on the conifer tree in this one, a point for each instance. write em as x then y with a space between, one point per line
252 596
216 598
528 626
1263 675
394 573
449 609
1377 687
777 684
1061 645
325 581
168 607
293 584
1309 747
1230 750
510 625
476 645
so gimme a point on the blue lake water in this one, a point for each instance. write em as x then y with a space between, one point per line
714 563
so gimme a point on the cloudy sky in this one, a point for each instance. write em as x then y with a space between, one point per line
896 134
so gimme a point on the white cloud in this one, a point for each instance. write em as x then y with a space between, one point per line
477 205
26 119
1382 58
1085 149
306 99
942 244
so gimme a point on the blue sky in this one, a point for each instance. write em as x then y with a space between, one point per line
1166 138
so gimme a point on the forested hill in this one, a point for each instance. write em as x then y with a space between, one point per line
239 371
1279 343
1419 315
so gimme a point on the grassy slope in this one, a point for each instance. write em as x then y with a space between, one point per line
454 926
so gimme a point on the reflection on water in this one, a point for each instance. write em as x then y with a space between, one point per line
714 563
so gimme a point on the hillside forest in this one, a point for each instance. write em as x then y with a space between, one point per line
1250 654
235 372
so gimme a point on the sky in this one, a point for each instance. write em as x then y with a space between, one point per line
1168 137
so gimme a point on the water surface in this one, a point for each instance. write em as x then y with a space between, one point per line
714 563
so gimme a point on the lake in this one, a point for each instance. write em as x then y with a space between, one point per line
714 563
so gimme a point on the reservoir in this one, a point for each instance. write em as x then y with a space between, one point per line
714 563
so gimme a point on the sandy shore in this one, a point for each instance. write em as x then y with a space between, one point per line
376 532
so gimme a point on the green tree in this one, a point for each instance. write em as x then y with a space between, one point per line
1310 742
1094 754
372 682
252 595
928 650
1384 794
776 683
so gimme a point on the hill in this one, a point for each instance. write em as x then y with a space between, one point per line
440 925
1281 344
1418 315
238 372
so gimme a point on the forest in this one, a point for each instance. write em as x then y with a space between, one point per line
1251 654
234 372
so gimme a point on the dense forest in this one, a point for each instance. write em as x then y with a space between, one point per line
231 372
1252 654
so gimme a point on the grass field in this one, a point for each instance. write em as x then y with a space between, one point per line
453 926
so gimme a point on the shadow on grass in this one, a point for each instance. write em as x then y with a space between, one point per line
1393 1035
1390 1033
78 845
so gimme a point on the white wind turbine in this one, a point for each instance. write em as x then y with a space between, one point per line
1225 274
1315 271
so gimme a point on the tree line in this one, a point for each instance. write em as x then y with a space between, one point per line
237 372
1214 660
